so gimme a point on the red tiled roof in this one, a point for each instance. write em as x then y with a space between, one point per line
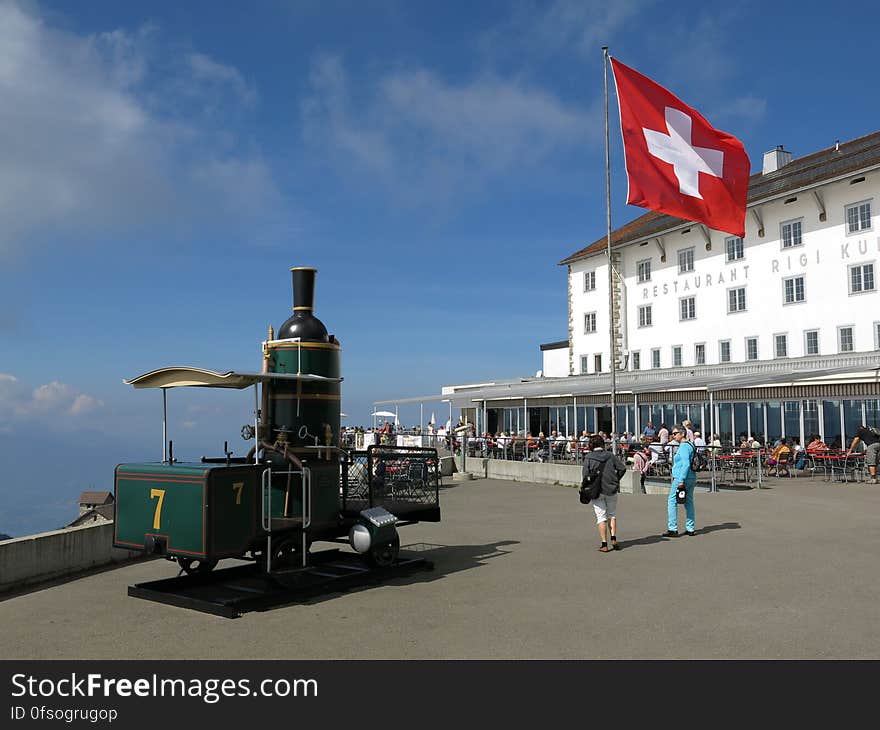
827 164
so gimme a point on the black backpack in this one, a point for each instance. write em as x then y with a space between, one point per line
591 484
696 459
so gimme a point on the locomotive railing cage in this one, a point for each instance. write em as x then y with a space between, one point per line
266 508
390 477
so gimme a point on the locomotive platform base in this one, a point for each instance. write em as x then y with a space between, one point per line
231 592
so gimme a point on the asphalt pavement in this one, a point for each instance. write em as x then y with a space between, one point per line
789 571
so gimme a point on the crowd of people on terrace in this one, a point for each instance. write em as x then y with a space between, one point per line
649 452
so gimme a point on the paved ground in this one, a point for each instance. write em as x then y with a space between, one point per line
785 572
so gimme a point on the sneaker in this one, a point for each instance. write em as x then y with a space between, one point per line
669 533
691 533
604 549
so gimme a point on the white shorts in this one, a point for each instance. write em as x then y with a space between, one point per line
605 507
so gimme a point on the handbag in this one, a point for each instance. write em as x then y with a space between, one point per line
680 495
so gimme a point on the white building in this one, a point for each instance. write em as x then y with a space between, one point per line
776 333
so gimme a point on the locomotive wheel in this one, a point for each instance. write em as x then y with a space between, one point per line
384 554
196 567
286 553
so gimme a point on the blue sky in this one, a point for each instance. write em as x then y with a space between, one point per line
165 164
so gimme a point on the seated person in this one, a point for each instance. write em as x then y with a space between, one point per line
543 447
799 454
780 453
817 444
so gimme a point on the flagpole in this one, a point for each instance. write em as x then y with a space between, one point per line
612 329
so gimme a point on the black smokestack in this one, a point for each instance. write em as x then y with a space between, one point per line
303 288
303 323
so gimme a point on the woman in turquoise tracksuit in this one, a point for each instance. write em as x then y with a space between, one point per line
681 474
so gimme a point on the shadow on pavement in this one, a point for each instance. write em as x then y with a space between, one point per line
654 539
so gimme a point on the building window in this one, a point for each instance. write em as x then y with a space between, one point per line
643 269
724 351
736 300
676 356
645 316
597 363
858 217
589 280
700 354
685 260
735 250
793 290
589 322
688 308
780 345
811 342
791 233
585 361
636 361
877 335
751 348
845 340
655 358
861 278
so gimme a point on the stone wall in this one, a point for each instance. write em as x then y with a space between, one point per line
48 555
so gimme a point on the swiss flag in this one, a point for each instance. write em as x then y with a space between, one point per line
676 162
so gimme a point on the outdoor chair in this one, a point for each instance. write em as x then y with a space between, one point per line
846 467
783 464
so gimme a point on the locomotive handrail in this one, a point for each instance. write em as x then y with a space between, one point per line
266 484
266 515
307 515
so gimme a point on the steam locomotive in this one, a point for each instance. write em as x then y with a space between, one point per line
296 485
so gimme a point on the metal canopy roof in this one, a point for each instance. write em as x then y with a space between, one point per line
698 379
180 377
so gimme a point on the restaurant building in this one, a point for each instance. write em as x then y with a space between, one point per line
776 333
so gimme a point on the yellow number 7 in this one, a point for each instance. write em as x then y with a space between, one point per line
157 516
238 486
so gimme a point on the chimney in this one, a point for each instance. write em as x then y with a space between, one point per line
774 159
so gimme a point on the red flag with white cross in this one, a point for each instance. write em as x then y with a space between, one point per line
676 162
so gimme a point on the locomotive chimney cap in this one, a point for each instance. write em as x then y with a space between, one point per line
303 268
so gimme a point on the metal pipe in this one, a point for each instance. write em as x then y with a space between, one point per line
713 455
256 417
164 426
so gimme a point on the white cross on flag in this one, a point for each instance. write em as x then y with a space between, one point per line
676 162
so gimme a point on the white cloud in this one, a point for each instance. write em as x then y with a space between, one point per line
428 138
55 400
562 26
84 404
211 74
114 132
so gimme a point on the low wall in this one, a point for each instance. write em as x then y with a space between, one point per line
48 555
550 473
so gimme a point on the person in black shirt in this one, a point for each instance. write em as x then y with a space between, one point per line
872 450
